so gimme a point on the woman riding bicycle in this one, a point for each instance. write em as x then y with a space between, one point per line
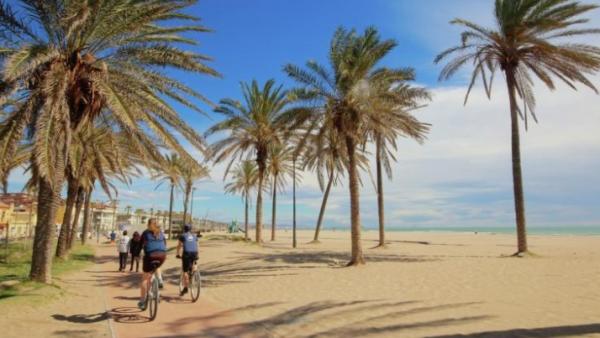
154 244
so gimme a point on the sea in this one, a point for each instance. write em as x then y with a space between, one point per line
531 230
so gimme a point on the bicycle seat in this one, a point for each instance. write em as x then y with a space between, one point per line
155 264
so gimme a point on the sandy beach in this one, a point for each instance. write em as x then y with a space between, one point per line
423 285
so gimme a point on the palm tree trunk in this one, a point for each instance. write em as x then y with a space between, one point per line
516 165
5 184
323 205
294 238
186 201
246 219
357 254
259 202
274 210
380 209
48 201
63 237
171 211
75 222
86 215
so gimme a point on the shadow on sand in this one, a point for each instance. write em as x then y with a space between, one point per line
83 319
128 315
301 321
553 331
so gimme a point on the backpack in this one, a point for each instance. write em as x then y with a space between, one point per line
154 243
190 242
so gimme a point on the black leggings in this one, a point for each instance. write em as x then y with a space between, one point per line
122 260
137 262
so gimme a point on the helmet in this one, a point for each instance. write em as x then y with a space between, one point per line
187 228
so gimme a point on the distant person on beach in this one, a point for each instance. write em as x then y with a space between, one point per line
135 248
113 236
154 244
188 241
123 247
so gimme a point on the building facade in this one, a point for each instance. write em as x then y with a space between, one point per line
20 213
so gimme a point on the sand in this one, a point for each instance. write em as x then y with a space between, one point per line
457 284
422 285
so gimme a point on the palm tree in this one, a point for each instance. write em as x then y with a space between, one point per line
279 166
65 62
245 177
391 120
253 127
79 203
191 171
344 98
169 170
87 212
528 41
325 155
99 154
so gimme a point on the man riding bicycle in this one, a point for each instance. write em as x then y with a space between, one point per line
189 243
154 244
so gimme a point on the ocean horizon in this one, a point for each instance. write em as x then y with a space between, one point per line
532 230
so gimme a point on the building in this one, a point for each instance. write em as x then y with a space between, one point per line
138 219
23 216
102 217
5 215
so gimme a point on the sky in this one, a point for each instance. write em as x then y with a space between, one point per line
461 176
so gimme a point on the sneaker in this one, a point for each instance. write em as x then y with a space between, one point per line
142 305
183 292
160 284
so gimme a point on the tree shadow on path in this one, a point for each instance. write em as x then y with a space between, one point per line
301 321
553 331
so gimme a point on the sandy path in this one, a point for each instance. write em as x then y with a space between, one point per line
77 311
177 316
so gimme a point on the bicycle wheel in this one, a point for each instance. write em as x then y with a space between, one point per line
153 299
195 286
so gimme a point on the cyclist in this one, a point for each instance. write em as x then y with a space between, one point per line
189 243
154 244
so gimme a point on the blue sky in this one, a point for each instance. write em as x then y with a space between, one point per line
459 177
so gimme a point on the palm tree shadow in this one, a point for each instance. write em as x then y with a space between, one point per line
83 319
301 321
554 331
329 258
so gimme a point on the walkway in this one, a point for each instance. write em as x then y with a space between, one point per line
177 316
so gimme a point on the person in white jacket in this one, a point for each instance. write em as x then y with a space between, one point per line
123 247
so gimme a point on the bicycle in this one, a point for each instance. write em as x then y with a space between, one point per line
194 284
153 291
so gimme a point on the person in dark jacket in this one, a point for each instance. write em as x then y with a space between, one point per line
135 248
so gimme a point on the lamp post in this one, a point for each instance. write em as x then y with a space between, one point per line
294 241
